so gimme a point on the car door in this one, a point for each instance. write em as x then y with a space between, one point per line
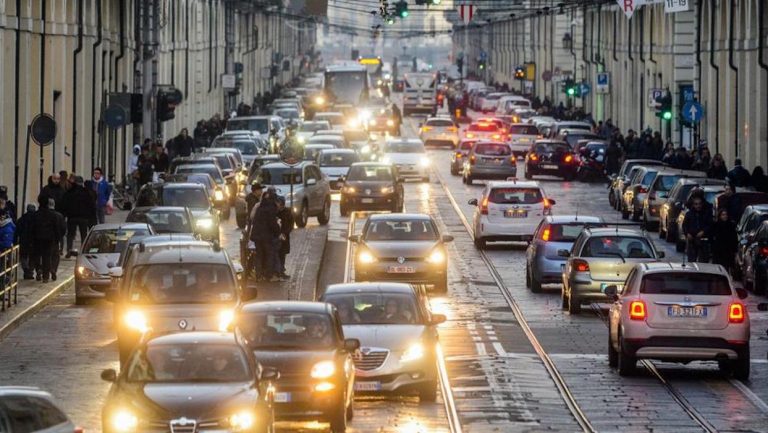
314 192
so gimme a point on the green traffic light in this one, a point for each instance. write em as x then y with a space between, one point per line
571 91
436 2
404 13
667 115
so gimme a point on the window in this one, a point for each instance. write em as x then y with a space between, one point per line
182 283
370 173
207 169
467 144
617 246
568 232
484 127
648 178
289 330
515 196
665 182
165 221
440 123
523 130
400 230
189 363
493 149
109 241
375 308
279 175
261 125
192 198
686 283
314 126
551 148
29 414
336 159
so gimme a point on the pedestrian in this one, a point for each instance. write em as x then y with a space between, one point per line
146 167
53 189
612 158
7 235
717 169
264 233
45 235
61 229
10 206
183 143
25 242
704 161
739 176
759 179
103 195
200 134
253 197
162 162
79 206
668 155
723 235
285 217
696 225
730 202
64 176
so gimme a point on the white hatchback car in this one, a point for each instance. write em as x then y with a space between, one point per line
679 312
509 211
439 131
408 155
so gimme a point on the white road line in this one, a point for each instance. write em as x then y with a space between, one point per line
757 401
499 349
481 349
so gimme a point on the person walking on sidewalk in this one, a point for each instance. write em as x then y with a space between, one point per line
285 216
7 234
24 240
79 207
723 235
103 193
45 235
54 188
264 232
61 228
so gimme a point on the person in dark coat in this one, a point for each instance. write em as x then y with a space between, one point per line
183 143
145 167
45 234
54 189
285 217
717 169
253 197
264 234
61 229
696 225
612 158
731 203
162 162
759 179
10 206
739 176
24 240
79 206
723 236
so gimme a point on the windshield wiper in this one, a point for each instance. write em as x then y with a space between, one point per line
609 253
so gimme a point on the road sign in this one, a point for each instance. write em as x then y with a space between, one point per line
586 89
228 81
43 129
603 83
687 93
693 112
466 12
654 94
115 116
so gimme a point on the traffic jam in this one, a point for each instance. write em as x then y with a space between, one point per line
482 267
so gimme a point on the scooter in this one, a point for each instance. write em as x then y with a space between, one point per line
591 166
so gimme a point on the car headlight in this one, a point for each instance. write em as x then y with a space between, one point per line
323 370
242 420
366 257
364 114
226 317
218 195
390 122
350 190
436 257
414 352
386 189
372 122
365 149
204 223
424 162
353 123
136 320
374 136
319 100
124 421
378 82
386 160
84 272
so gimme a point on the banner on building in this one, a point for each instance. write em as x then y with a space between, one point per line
630 6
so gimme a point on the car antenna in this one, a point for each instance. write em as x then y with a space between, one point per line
577 212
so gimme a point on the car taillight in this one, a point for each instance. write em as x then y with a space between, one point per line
426 128
513 159
459 155
763 251
470 135
545 234
568 158
534 157
484 206
547 207
637 310
472 159
580 265
736 313
642 190
496 136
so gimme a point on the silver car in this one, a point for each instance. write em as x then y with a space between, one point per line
28 409
601 257
554 233
398 336
101 251
489 160
308 193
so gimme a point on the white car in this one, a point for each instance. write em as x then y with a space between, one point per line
488 102
29 409
439 131
521 137
336 119
679 312
507 104
409 156
509 211
335 163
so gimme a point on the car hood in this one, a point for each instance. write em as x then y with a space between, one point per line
192 401
392 337
98 262
292 362
401 248
404 158
334 171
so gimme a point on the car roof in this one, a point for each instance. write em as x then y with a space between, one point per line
166 238
184 252
404 140
180 185
290 306
158 208
120 226
372 164
399 217
335 150
194 337
9 390
380 287
551 141
346 68
673 171
661 267
561 219
513 183
281 164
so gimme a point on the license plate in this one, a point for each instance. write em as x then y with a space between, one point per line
282 397
366 201
619 287
549 167
498 161
401 270
367 386
516 213
680 311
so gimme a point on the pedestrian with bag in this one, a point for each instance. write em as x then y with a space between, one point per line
45 235
79 206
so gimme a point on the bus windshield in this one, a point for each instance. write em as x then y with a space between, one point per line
348 87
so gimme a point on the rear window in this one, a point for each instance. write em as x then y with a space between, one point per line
493 149
615 246
524 130
484 127
333 159
551 147
515 196
685 283
467 145
665 183
648 178
439 122
565 232
403 147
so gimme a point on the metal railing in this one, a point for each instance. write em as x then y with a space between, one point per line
9 277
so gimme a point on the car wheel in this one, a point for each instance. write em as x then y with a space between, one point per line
454 170
527 277
563 299
240 219
626 363
528 174
303 216
669 234
574 305
611 200
741 366
635 216
325 216
338 419
480 243
428 391
662 233
535 284
613 355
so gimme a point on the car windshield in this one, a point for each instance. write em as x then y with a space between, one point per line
278 175
193 198
515 195
207 168
336 159
290 330
523 130
163 221
375 308
439 123
649 176
379 173
467 144
493 149
198 363
686 283
287 113
566 232
615 246
311 152
665 183
246 147
261 125
110 241
313 126
224 162
355 135
484 127
400 230
182 283
403 147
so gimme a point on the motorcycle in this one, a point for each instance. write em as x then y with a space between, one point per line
591 165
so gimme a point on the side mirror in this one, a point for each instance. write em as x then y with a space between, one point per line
472 201
611 291
563 253
269 374
311 181
116 272
742 293
351 344
447 238
763 306
354 238
438 319
109 375
660 254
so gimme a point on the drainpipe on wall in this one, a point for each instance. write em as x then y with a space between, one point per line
761 44
712 28
735 70
93 83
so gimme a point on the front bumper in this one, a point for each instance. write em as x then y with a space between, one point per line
423 272
394 376
362 202
296 399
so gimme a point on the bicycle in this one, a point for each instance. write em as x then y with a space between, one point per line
121 194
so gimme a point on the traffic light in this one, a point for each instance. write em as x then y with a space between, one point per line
401 9
167 100
664 107
569 87
390 19
519 73
481 64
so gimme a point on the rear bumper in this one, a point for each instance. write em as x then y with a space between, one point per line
478 172
590 291
548 270
684 348
491 232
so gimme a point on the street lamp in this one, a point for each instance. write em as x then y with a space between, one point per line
567 41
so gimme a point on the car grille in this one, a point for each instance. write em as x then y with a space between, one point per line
372 360
183 425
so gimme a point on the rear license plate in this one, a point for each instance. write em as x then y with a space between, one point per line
367 386
282 397
498 161
401 270
366 201
549 167
680 311
516 213
619 287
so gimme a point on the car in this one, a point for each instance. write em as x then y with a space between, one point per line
553 158
189 382
266 125
305 188
100 251
236 152
489 160
635 193
754 261
288 113
489 102
336 119
509 211
178 286
408 155
335 163
164 219
191 195
305 342
25 409
678 312
404 248
601 257
573 136
312 151
223 184
559 126
397 333
554 233
371 186
355 137
215 193
509 103
709 192
620 180
485 130
658 192
751 219
521 137
677 199
460 154
439 131
308 128
327 140
383 121
244 150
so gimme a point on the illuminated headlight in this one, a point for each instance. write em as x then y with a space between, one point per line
353 123
390 122
366 257
436 257
84 272
386 190
424 162
323 370
319 100
136 320
374 136
364 115
301 139
386 160
387 76
413 353
372 122
350 190
366 149
204 223
226 317
379 82
218 195
124 421
242 420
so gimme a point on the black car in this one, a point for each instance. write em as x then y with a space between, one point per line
551 157
371 186
678 199
188 382
305 341
193 196
754 269
164 219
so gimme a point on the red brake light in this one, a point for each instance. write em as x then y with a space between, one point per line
545 234
580 265
637 310
763 251
568 158
642 190
496 136
736 313
472 159
484 206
